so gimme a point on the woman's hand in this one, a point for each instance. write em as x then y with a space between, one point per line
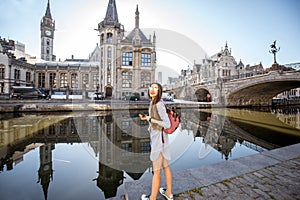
144 117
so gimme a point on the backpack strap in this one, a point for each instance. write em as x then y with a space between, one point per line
155 115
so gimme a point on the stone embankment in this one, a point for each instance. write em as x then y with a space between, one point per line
86 105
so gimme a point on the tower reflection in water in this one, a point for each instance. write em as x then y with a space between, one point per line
119 142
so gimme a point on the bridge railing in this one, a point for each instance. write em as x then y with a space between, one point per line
241 76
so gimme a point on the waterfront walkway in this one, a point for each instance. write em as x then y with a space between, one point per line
273 174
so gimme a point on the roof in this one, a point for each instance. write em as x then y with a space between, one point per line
111 12
136 33
48 13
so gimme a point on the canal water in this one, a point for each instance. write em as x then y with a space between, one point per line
89 155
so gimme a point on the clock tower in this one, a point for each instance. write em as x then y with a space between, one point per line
47 36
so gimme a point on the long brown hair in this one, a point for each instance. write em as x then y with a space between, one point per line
159 93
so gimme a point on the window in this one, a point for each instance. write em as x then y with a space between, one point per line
48 42
52 80
126 127
85 80
109 38
51 130
126 79
73 128
109 52
146 59
63 80
63 128
145 79
2 72
145 147
108 79
28 77
17 74
127 58
95 126
126 148
74 80
95 80
101 38
108 66
41 80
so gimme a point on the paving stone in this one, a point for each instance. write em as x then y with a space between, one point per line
258 174
272 178
222 187
262 193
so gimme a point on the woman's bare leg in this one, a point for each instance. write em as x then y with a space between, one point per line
168 175
155 184
157 167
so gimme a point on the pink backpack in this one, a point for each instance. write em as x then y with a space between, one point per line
174 120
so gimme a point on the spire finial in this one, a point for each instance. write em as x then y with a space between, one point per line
137 17
48 13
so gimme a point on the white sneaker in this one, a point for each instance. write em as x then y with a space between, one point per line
162 191
145 197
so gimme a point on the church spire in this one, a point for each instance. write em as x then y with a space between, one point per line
111 13
111 17
48 13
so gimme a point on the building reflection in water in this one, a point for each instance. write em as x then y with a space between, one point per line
120 141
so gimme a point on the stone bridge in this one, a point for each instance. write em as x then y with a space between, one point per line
257 90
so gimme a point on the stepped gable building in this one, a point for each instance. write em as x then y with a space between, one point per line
222 65
127 64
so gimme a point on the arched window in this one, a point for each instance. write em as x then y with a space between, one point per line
109 38
52 80
74 80
102 38
85 80
63 80
109 52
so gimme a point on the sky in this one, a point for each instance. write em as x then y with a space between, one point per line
248 26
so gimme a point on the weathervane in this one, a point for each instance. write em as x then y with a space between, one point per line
274 50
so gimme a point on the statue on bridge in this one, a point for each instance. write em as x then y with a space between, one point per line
274 50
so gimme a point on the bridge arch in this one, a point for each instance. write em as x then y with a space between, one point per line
260 91
203 95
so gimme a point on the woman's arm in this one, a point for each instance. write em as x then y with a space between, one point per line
161 109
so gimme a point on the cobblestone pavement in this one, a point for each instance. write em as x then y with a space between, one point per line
273 174
279 181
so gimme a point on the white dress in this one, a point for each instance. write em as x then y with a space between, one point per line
157 146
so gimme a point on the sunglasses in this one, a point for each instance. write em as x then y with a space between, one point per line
153 88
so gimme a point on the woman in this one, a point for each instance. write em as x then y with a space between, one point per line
160 153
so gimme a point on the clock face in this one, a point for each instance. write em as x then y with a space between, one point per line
48 33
